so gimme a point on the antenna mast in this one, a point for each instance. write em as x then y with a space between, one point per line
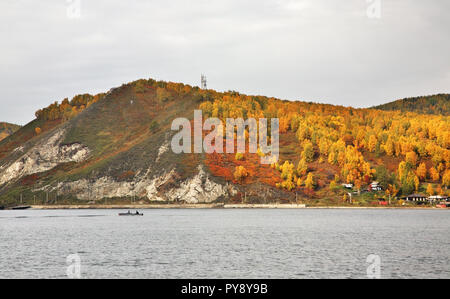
204 84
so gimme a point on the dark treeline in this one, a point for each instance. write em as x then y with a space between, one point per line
435 104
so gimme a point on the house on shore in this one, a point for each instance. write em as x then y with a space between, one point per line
435 198
375 186
422 199
348 186
416 198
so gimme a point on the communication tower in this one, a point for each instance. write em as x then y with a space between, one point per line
204 85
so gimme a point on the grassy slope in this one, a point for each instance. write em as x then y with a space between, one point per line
118 129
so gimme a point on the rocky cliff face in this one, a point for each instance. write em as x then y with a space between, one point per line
44 156
198 189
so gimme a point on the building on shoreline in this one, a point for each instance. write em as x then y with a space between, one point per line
416 198
435 198
420 198
375 186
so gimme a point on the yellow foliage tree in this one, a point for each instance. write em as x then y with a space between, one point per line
240 173
430 190
389 148
439 190
416 183
310 182
308 151
422 171
446 178
392 190
372 143
302 167
411 158
239 156
434 174
287 169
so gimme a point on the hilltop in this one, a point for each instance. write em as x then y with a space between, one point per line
7 129
115 147
435 104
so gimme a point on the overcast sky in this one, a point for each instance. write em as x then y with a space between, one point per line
332 51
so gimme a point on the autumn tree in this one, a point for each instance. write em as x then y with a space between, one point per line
240 173
411 157
354 167
308 151
392 191
333 185
430 190
345 197
288 176
422 171
310 182
434 174
68 109
372 143
287 169
239 156
408 179
389 147
446 178
439 190
383 176
302 167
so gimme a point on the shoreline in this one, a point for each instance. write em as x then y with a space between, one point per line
211 206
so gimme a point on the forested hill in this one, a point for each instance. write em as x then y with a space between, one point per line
116 147
435 104
7 129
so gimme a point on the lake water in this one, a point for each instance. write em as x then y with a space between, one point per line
308 243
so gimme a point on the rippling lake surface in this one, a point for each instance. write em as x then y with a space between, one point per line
308 243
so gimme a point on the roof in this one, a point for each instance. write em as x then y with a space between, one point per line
416 195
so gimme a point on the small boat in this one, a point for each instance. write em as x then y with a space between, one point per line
20 208
131 214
